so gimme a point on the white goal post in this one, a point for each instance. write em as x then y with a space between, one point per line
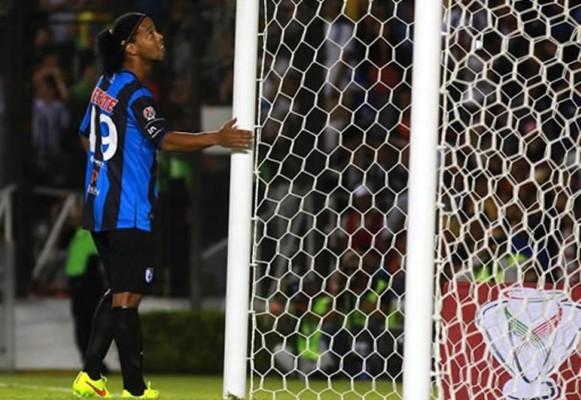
7 273
411 225
240 209
422 197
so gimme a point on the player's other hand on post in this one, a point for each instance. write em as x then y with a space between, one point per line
231 136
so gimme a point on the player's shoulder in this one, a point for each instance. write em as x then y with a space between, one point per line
132 87
124 77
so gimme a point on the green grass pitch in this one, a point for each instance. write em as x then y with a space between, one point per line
57 386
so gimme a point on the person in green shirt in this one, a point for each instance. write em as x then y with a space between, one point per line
363 301
308 350
86 286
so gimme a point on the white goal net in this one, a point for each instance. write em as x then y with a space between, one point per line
331 196
508 295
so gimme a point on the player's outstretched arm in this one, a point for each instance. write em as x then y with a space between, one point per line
228 136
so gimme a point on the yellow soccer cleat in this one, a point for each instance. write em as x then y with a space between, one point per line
148 393
84 386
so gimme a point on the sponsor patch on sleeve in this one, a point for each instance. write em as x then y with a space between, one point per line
149 113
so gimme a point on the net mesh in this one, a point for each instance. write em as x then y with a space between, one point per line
509 185
332 172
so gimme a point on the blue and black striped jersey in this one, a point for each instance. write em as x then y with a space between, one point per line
124 132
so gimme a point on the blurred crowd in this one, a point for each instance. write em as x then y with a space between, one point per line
334 157
199 37
65 72
511 177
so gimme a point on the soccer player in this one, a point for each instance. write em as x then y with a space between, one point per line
121 132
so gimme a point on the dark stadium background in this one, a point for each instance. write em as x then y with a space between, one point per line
195 77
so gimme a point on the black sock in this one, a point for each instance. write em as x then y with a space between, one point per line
101 337
130 347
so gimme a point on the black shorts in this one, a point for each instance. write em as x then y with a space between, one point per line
128 256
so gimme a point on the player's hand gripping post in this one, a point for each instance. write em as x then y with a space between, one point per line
233 137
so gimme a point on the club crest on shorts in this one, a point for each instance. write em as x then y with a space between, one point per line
149 274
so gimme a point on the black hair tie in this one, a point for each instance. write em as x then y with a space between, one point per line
125 42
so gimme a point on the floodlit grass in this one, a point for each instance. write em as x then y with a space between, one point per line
275 389
57 386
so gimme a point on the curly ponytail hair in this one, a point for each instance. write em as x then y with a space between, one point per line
110 44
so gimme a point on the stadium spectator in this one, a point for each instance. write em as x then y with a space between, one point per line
362 226
277 104
50 123
80 91
319 321
174 222
118 207
338 61
86 284
79 95
338 50
310 352
49 64
361 299
42 42
394 266
220 59
378 66
61 14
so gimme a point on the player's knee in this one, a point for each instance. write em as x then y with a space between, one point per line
126 300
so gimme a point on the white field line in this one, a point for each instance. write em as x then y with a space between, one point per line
33 387
49 388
